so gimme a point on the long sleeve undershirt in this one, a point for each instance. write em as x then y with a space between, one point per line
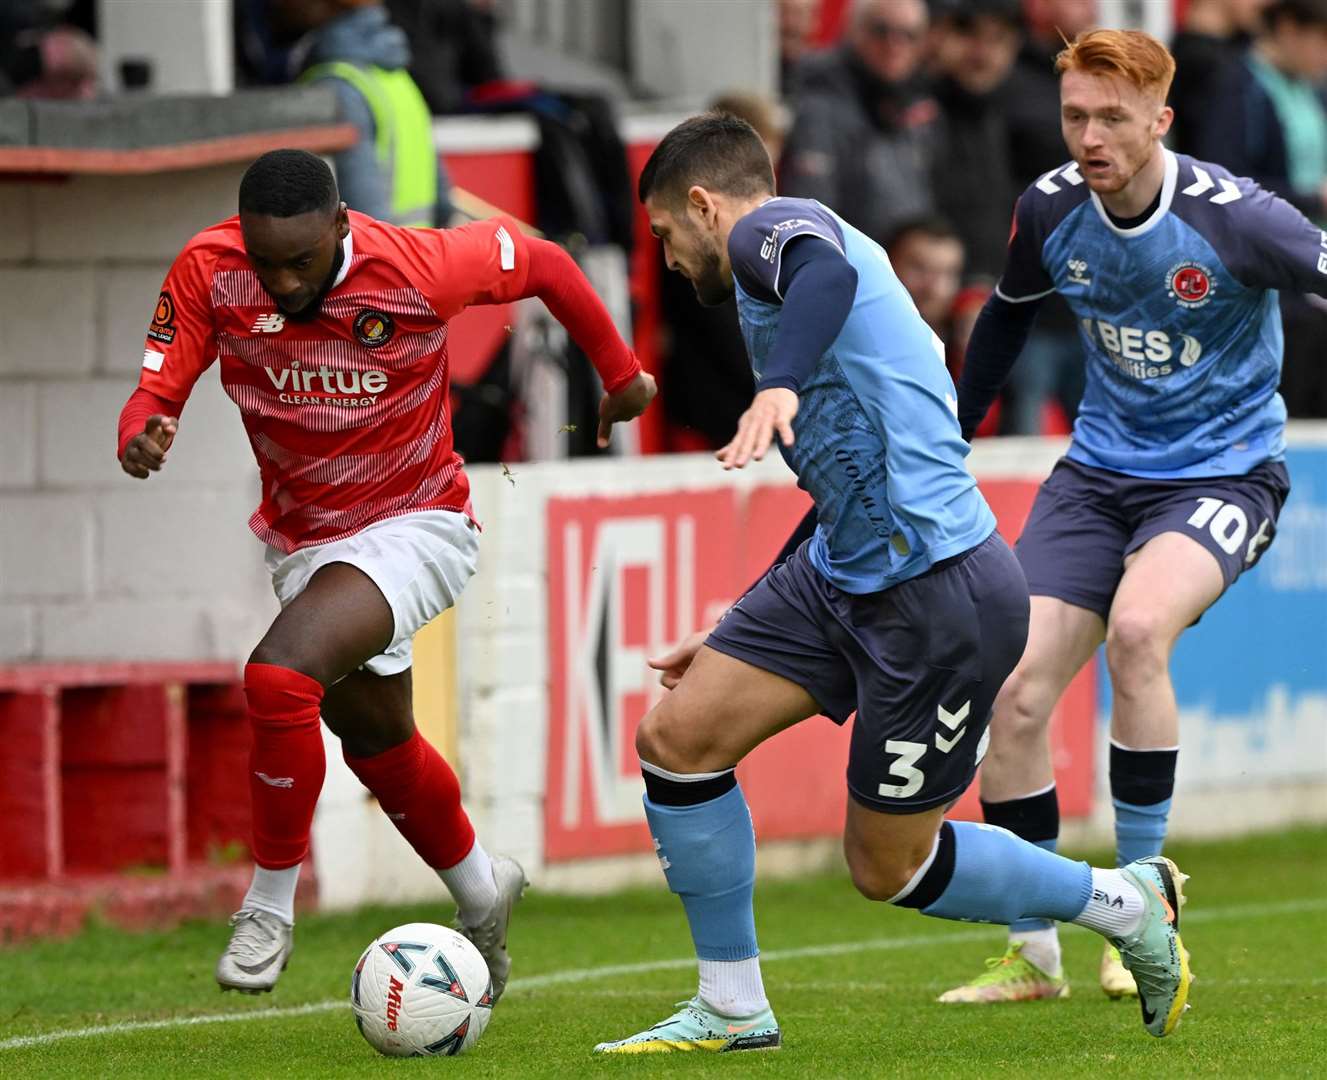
997 339
818 286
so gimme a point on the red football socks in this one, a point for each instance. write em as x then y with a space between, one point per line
417 789
286 763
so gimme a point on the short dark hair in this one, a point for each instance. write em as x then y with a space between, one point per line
284 183
1301 12
716 150
931 226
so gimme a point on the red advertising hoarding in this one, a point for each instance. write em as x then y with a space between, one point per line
630 575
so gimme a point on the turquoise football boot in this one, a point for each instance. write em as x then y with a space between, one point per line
694 1027
1154 953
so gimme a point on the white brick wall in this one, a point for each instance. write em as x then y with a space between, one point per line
19 237
46 320
46 547
126 298
94 564
123 218
18 631
18 434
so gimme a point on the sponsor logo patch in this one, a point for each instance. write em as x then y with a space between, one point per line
374 328
162 328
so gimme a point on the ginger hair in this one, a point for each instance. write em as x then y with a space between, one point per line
1131 55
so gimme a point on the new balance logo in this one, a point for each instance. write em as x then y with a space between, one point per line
268 324
1203 183
276 781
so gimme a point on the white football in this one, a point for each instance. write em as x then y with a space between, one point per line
421 990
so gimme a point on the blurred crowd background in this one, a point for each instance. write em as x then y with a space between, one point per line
919 121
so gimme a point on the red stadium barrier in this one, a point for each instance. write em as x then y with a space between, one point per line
123 790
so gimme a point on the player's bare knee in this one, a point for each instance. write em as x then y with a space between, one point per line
878 875
673 741
279 654
1137 645
1021 712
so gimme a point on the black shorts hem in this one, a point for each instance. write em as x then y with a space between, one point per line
902 808
1070 597
759 660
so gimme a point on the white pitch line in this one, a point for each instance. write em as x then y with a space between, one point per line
608 971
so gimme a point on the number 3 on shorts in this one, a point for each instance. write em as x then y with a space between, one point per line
905 768
1229 525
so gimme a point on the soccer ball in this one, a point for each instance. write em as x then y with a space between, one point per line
421 990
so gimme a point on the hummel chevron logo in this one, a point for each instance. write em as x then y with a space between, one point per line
1203 183
1069 174
951 720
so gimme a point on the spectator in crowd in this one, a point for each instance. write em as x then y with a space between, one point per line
1215 36
1034 88
975 45
43 54
1268 119
1050 368
865 127
927 255
454 43
392 172
797 27
1270 123
706 377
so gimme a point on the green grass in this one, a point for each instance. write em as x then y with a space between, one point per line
1256 924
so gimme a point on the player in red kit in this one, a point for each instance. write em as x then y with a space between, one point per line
331 329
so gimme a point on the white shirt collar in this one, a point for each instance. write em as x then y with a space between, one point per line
1167 196
347 253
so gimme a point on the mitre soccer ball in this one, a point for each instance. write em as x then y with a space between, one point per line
421 990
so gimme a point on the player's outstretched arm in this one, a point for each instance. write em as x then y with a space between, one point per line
818 286
148 424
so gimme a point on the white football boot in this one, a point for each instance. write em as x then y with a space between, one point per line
490 936
259 950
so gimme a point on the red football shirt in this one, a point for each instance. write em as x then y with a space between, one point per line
346 411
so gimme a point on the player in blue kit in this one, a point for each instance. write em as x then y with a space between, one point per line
1174 477
904 606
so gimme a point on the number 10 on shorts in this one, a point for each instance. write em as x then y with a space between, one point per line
1228 525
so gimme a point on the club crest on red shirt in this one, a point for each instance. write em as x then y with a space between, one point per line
374 328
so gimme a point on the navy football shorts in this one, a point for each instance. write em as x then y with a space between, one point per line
1086 520
920 663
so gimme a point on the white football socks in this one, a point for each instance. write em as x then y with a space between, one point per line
1116 906
1040 947
273 891
472 886
733 987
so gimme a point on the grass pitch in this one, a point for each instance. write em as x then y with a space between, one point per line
852 983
